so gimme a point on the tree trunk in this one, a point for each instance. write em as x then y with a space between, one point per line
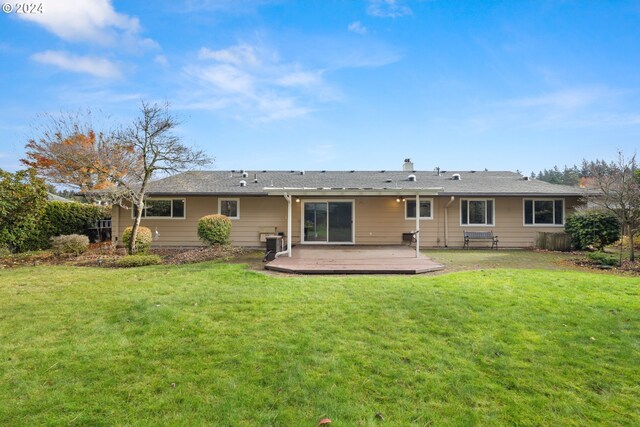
140 199
134 230
632 250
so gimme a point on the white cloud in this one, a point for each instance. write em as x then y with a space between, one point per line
568 99
93 21
242 54
388 8
161 60
569 107
279 108
224 77
300 78
357 27
96 66
250 80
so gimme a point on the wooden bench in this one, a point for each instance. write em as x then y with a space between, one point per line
480 235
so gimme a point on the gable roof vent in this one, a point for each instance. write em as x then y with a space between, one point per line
301 172
411 177
245 175
456 177
243 183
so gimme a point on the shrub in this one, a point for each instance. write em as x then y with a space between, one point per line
143 239
23 197
138 260
604 258
72 244
4 251
62 218
592 228
214 229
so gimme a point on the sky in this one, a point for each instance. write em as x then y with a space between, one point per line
337 84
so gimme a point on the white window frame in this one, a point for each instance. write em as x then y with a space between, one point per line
478 199
171 199
413 218
229 199
544 199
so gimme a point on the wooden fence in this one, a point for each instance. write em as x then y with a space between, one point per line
553 241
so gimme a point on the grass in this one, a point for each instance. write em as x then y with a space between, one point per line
217 344
474 259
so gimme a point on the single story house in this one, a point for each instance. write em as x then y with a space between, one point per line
354 207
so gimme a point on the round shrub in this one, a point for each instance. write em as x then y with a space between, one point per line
71 244
592 228
214 229
138 260
143 238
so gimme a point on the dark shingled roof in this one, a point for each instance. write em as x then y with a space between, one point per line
470 183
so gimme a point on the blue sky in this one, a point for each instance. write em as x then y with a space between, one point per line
259 84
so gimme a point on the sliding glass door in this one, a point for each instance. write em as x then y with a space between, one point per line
328 222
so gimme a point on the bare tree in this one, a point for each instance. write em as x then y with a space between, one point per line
619 185
114 165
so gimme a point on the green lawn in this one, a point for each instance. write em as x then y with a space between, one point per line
474 259
216 344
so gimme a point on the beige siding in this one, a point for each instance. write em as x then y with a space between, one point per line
509 223
377 221
256 214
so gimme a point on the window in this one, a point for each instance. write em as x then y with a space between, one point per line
477 212
229 207
162 208
425 209
543 212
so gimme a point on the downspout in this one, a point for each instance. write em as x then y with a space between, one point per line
288 251
446 222
417 225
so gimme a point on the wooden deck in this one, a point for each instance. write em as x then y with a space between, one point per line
354 260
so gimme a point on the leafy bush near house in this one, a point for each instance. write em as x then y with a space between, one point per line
72 244
23 197
592 228
62 218
604 258
214 229
138 260
143 238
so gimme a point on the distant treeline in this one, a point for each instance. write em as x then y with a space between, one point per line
570 175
